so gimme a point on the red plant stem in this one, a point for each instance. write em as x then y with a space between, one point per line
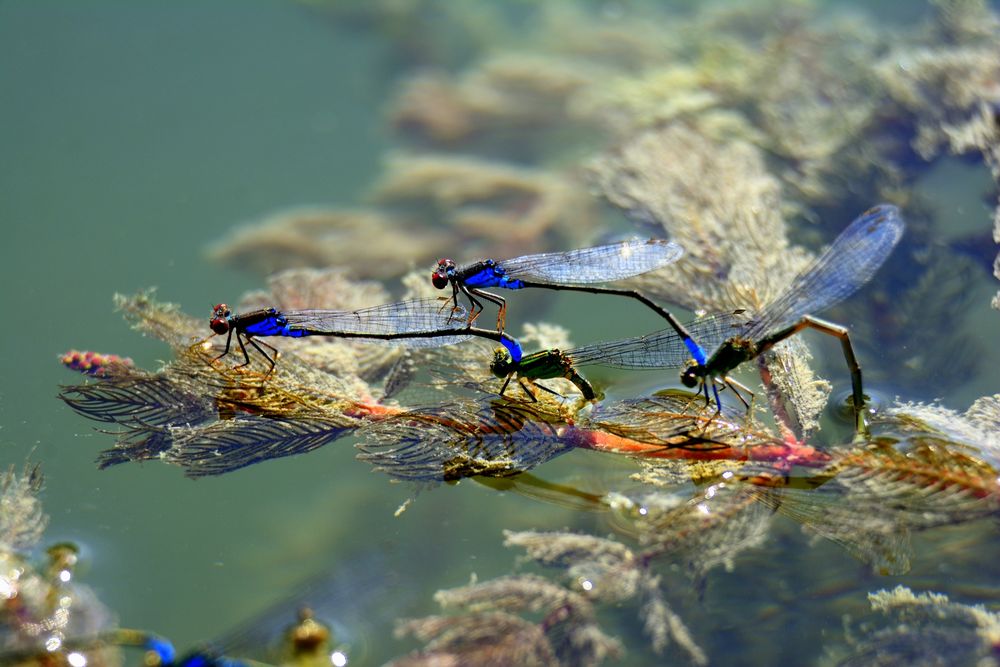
790 451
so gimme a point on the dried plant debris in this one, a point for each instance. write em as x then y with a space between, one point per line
923 630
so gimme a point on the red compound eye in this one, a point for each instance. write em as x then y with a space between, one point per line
439 280
220 318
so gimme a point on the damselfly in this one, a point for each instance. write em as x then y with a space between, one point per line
573 270
850 262
543 365
416 322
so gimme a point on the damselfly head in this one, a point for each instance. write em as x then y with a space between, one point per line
692 375
440 276
501 364
220 319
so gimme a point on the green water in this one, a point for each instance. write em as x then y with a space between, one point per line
132 134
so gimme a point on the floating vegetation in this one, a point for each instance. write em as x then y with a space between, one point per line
709 486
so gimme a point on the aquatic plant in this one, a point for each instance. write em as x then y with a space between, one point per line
716 126
43 604
724 207
924 467
22 520
302 238
867 497
491 632
509 208
922 629
93 363
982 134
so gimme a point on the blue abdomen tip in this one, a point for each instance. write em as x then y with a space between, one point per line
511 283
163 649
514 348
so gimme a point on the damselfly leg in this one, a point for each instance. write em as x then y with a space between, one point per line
841 333
246 357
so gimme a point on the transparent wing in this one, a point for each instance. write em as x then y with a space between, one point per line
661 349
847 264
599 264
402 317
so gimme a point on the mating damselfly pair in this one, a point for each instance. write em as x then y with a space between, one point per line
707 349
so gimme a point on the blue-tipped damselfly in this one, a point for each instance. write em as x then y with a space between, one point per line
573 270
415 322
850 262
